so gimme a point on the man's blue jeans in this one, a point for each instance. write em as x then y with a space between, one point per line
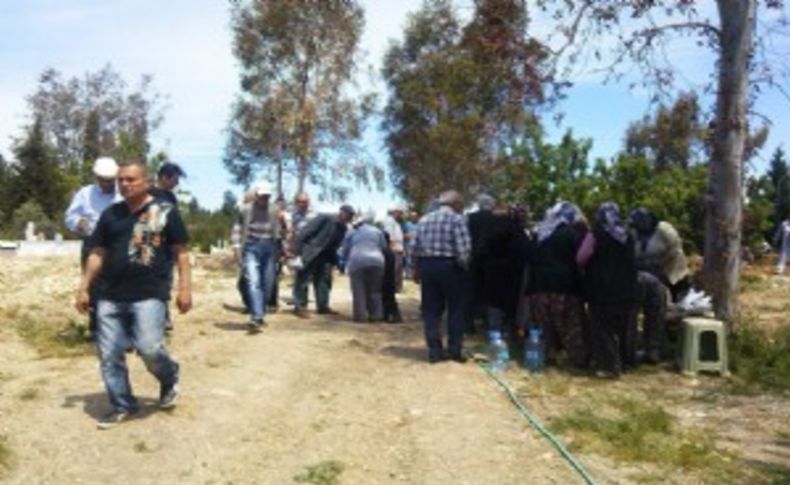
141 323
259 263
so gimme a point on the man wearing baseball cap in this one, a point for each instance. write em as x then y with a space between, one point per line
167 179
261 225
86 207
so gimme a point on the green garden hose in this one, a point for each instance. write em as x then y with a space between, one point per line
538 426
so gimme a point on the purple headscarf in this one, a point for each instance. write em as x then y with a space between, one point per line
561 213
608 217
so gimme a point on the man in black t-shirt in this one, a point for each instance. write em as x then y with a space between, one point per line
167 179
136 243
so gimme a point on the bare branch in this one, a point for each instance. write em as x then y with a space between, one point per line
660 29
573 30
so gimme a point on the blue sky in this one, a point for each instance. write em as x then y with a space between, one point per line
186 46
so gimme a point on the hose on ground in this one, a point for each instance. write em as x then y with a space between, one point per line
538 426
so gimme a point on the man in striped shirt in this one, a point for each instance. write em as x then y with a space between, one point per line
443 248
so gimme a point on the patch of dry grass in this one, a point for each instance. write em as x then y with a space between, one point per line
30 394
52 338
324 473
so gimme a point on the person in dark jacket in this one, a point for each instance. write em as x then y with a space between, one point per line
607 256
388 290
501 259
555 302
482 223
316 247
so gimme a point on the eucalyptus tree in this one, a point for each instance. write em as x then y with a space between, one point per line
300 109
460 95
96 113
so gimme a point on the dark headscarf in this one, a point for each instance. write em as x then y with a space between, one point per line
608 216
643 221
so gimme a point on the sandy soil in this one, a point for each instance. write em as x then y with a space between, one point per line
258 408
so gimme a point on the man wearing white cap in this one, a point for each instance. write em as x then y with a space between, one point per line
86 207
261 226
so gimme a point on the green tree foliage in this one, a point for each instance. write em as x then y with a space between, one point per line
674 136
91 146
5 192
459 95
96 114
539 173
230 204
31 211
758 212
299 111
207 228
778 189
35 175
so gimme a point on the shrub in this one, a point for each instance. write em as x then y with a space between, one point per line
760 358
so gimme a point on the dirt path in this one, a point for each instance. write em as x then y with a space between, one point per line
263 408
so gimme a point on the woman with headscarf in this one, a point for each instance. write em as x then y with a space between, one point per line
659 251
610 282
555 303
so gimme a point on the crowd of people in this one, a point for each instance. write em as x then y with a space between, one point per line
582 284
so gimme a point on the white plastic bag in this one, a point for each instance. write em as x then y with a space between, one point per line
296 263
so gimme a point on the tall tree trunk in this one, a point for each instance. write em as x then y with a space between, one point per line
723 226
280 176
302 172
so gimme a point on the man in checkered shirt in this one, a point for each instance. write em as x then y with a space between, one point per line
443 248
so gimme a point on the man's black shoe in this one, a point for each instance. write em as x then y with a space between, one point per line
168 395
327 311
437 357
255 325
458 357
114 418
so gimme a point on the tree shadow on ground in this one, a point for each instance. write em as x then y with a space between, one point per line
232 326
773 471
235 308
96 405
419 354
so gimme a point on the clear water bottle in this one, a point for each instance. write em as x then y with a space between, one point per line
534 351
498 353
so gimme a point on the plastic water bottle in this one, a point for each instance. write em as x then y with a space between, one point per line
498 353
534 352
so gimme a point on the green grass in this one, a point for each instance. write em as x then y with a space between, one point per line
760 359
324 473
633 431
752 282
53 339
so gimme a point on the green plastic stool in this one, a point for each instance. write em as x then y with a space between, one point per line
693 356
